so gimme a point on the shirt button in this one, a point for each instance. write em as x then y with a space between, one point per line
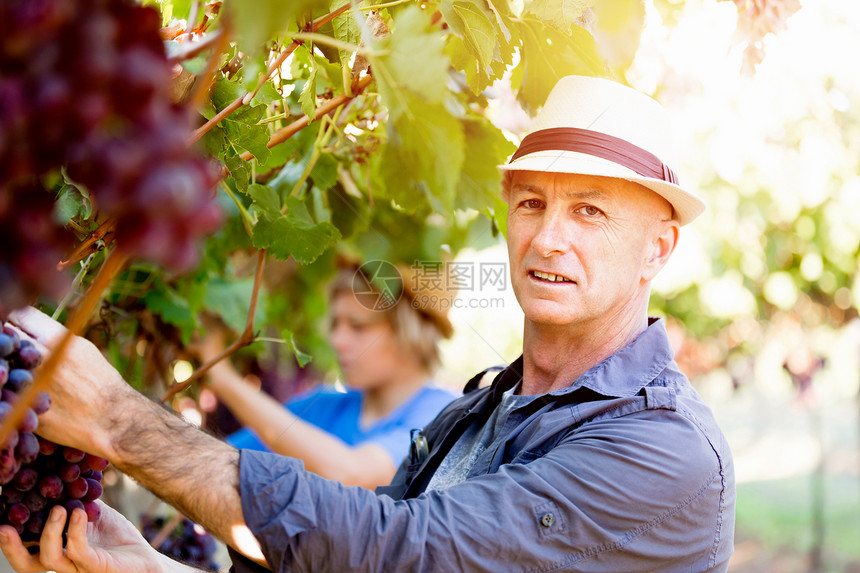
547 519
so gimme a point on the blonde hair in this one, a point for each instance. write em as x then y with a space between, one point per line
415 332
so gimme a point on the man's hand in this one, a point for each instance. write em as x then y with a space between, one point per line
111 544
85 389
94 410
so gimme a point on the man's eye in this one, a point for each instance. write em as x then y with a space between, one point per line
590 210
532 204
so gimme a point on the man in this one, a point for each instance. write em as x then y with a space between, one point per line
591 452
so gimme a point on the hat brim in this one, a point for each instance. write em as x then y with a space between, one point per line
687 205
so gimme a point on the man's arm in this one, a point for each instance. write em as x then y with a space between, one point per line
95 410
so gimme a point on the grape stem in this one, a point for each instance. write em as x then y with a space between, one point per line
287 132
246 338
78 319
93 243
246 98
188 50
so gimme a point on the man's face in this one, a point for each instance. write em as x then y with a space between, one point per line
582 248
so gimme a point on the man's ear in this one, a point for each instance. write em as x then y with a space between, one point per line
663 244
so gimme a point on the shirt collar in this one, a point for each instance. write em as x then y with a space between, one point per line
621 375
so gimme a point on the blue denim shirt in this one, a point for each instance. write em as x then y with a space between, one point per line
624 470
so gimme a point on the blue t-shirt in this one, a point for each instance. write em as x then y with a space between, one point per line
338 414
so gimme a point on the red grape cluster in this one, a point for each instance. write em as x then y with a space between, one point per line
35 474
187 542
84 84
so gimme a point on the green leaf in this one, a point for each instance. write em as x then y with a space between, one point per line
252 138
238 169
72 201
294 234
324 174
480 180
265 198
231 299
267 94
413 42
560 14
473 23
259 21
301 357
224 92
346 29
308 97
548 55
172 308
423 157
214 142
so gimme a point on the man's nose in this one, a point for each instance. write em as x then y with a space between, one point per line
552 235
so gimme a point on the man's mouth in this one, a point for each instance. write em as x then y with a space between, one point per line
549 277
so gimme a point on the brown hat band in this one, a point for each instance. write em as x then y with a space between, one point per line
597 144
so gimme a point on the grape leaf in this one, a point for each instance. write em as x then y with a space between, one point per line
308 97
267 94
548 55
480 180
172 308
412 40
238 169
72 201
294 234
423 156
230 299
302 358
346 29
472 22
265 198
560 14
252 138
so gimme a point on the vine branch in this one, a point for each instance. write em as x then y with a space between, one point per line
78 319
246 338
246 98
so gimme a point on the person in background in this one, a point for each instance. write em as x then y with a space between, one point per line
387 358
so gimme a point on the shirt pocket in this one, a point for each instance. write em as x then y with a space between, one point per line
548 519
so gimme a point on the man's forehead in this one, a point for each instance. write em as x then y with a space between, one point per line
567 184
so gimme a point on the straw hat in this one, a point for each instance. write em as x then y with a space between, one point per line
594 126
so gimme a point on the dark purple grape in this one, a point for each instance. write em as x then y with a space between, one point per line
8 396
29 355
47 448
12 496
96 463
36 522
93 510
51 486
27 448
68 472
35 501
29 422
77 489
25 479
94 490
73 504
73 455
7 345
42 403
18 378
18 514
